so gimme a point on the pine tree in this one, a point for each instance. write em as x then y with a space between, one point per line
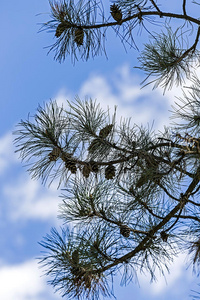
131 194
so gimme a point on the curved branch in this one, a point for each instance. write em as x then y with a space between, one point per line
141 14
166 219
142 244
191 49
188 217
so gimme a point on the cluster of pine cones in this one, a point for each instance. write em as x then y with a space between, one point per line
78 32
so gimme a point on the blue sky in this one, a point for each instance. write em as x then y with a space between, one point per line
28 210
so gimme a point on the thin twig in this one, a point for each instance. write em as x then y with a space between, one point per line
191 49
166 191
184 10
154 4
118 223
149 209
188 217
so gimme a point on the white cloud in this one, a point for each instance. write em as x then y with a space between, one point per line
28 200
62 96
23 282
123 89
7 155
171 281
176 271
24 198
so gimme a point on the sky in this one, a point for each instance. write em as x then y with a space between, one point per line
28 78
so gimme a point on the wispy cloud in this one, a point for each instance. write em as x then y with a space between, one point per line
23 281
123 89
7 155
27 199
177 269
176 284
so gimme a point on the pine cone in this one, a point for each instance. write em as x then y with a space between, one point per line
61 28
104 132
71 165
75 257
125 230
110 172
164 236
142 180
95 144
79 36
54 154
116 13
86 170
94 166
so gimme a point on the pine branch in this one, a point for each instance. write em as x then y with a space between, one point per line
118 223
191 49
141 14
166 219
142 244
184 9
77 25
